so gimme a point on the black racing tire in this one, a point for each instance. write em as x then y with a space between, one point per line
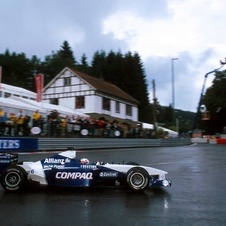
14 178
137 179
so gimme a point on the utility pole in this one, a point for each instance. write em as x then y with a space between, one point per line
154 108
173 89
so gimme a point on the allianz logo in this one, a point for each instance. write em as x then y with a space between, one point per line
57 161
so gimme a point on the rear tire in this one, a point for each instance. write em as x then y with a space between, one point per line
14 178
137 179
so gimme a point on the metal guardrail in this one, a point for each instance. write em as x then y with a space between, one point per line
95 143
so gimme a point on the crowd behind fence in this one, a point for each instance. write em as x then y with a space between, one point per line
56 125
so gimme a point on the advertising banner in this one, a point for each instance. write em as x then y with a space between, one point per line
39 87
9 144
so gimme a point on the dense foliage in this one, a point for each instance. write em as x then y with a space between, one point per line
124 70
215 102
215 96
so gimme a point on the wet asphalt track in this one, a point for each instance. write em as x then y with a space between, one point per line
197 196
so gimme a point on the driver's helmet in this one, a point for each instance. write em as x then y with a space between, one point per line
84 161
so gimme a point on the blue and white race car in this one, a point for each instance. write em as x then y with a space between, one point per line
65 170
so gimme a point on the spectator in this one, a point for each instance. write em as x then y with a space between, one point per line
3 121
53 122
26 129
2 125
136 131
101 125
107 131
20 122
63 126
92 126
36 119
12 124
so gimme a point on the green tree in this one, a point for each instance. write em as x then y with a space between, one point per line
215 96
16 69
35 69
84 66
51 66
56 62
98 64
137 85
167 116
66 54
215 102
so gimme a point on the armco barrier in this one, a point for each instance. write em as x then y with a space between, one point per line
17 144
212 141
199 140
95 143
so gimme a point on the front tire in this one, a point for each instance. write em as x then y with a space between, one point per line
14 178
137 179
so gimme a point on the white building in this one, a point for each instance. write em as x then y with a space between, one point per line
10 105
76 90
13 99
9 91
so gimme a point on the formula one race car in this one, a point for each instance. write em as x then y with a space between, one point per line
65 170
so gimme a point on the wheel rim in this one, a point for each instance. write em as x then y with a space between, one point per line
12 179
137 180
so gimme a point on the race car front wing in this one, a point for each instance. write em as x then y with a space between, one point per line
159 183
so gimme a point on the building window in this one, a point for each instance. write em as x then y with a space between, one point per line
128 110
117 107
7 95
79 102
67 81
54 101
106 104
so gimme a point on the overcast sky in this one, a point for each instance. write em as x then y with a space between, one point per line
158 30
